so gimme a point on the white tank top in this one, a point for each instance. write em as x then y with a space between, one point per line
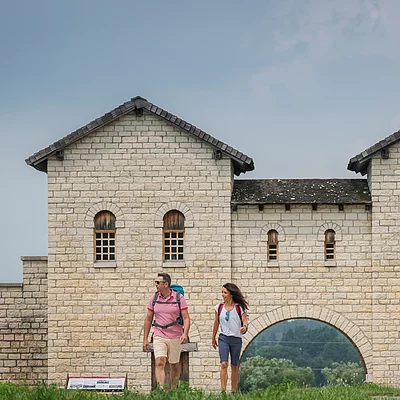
232 326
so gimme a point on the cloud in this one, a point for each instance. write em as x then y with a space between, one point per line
310 35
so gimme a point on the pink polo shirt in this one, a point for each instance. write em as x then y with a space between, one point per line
167 313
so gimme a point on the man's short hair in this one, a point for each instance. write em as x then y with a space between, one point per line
166 277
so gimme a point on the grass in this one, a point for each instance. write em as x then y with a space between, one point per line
10 391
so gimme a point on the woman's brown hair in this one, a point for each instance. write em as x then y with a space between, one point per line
237 295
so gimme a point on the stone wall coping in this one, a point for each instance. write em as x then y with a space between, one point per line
34 258
11 284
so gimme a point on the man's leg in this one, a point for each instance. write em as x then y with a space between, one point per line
160 370
174 356
175 371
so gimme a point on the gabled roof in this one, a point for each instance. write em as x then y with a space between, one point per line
359 163
301 191
241 162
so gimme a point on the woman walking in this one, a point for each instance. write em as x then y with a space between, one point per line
231 318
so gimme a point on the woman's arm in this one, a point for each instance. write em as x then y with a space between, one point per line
215 329
245 326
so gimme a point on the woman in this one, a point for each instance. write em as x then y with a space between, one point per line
231 317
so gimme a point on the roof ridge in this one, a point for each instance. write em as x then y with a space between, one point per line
38 160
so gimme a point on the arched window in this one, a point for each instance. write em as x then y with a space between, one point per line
104 236
272 245
173 235
330 244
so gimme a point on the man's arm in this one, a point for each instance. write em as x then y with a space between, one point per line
186 325
147 325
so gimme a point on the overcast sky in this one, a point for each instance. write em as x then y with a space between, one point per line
301 86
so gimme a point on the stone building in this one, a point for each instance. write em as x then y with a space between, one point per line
325 249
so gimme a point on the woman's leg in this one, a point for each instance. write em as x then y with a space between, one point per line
235 377
236 347
223 348
224 375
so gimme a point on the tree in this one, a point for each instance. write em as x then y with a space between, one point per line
344 374
341 352
307 343
299 357
259 373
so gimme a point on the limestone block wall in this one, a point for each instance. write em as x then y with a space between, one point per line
384 175
23 325
138 167
301 284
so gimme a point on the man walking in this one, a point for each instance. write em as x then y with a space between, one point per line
169 335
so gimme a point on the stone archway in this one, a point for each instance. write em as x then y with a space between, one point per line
322 314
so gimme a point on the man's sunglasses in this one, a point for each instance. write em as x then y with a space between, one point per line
158 282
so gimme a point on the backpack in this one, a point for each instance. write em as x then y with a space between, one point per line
238 310
179 292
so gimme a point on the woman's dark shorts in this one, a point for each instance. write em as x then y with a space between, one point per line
232 345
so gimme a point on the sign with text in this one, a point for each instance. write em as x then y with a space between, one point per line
96 383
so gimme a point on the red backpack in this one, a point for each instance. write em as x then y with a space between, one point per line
238 310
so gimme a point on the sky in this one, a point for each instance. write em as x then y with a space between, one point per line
301 86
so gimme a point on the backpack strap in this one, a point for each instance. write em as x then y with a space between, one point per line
179 320
237 308
166 326
155 299
220 307
178 298
239 312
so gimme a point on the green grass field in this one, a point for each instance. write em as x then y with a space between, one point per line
282 392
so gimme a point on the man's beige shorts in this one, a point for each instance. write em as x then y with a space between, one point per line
170 348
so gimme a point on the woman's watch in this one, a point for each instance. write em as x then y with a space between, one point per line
245 326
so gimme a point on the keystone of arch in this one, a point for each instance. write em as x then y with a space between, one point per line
173 205
104 206
322 314
329 225
272 226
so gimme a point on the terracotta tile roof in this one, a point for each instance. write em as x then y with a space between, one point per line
241 161
359 163
301 191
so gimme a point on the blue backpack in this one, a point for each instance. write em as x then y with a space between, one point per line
177 288
179 292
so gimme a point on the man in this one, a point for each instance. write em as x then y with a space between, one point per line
168 332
